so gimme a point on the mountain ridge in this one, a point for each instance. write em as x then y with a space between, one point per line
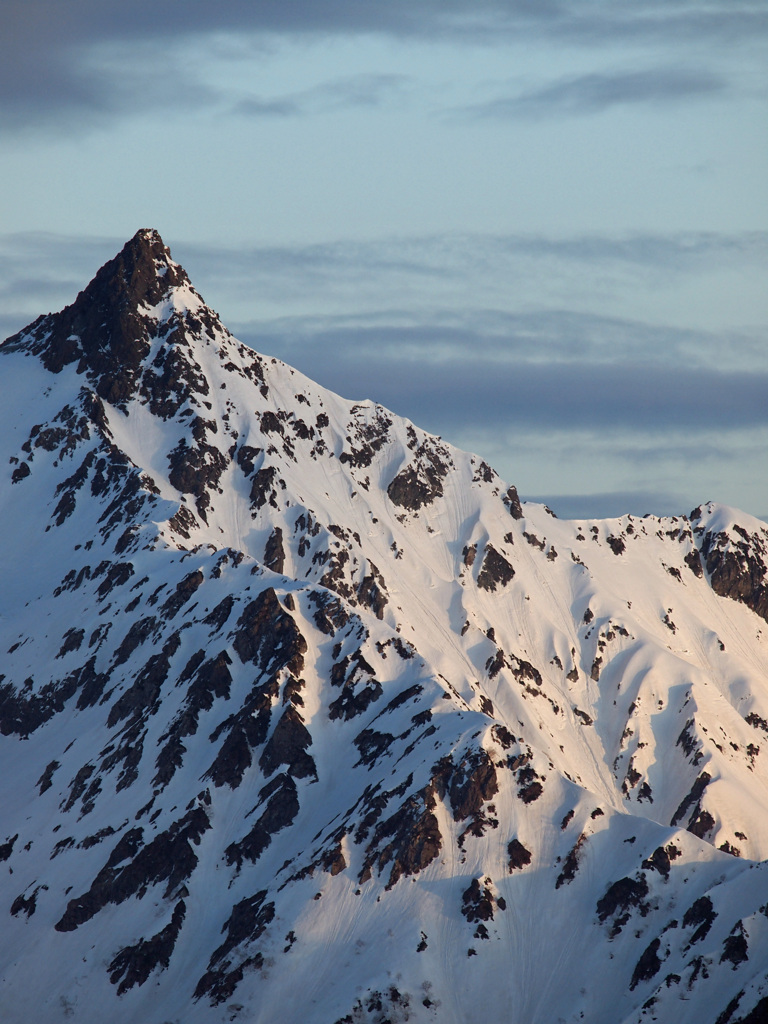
246 612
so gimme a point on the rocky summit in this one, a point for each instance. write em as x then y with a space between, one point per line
306 718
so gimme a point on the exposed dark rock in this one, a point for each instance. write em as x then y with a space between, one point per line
687 739
234 757
694 797
270 424
6 848
414 839
136 635
142 696
371 744
26 904
727 1015
212 679
333 861
371 438
46 779
288 745
134 964
530 788
21 714
183 592
409 693
571 863
503 736
701 823
735 948
267 636
246 458
757 1015
647 966
495 663
331 615
353 702
616 544
183 522
619 898
263 487
534 541
700 913
169 857
281 809
372 592
495 570
247 923
383 1007
737 569
71 641
96 838
693 561
196 470
218 617
246 730
477 902
512 501
518 856
661 858
78 784
274 555
421 482
129 752
103 330
63 844
470 784
118 574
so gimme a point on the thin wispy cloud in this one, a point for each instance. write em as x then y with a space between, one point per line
599 91
449 293
52 62
365 90
475 381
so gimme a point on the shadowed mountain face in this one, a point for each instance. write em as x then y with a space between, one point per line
305 717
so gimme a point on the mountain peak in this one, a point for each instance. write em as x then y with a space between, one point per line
108 329
140 268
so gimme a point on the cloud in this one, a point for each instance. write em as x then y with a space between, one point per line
449 256
365 90
498 297
57 60
66 85
543 379
596 92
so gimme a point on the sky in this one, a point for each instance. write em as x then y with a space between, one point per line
536 228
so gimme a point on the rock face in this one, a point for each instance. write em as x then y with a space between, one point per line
306 717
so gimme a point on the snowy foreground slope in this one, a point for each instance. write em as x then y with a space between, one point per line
306 718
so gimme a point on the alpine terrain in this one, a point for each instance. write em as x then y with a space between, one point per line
307 719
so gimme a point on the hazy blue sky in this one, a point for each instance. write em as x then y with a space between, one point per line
537 228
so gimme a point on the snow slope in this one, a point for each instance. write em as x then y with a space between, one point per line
307 718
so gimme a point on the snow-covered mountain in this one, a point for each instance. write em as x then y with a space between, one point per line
307 718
